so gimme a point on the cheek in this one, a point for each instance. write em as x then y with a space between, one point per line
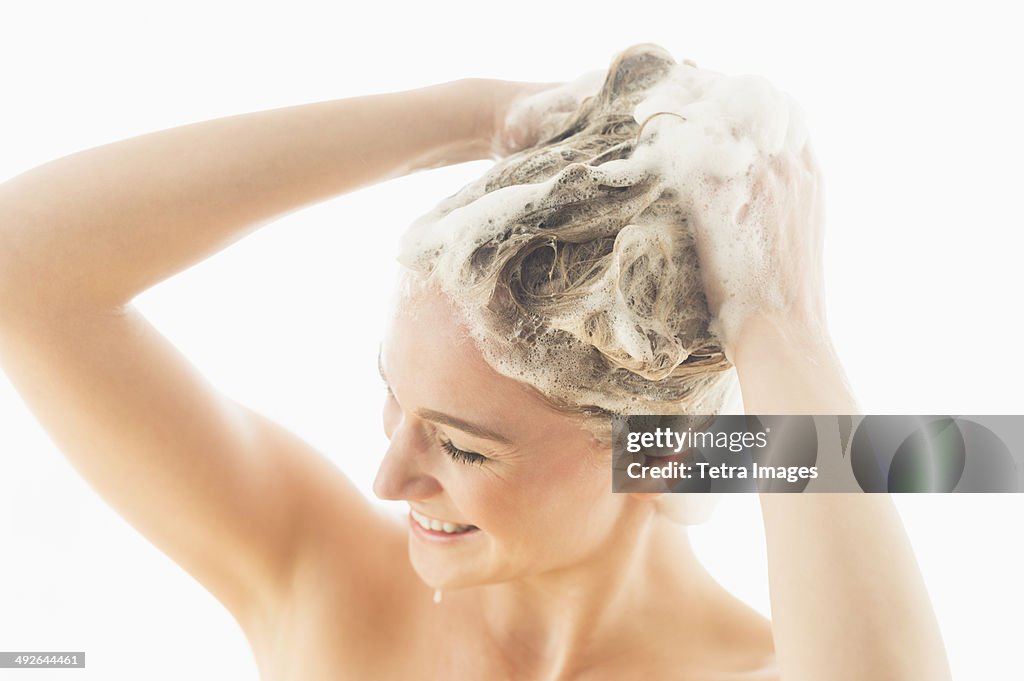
575 470
579 495
554 497
507 500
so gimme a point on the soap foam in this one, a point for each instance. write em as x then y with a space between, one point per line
574 262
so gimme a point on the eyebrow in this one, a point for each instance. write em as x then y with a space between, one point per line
448 420
464 426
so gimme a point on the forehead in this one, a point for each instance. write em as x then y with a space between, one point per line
431 361
424 311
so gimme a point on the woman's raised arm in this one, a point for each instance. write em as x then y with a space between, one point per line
848 600
227 494
100 226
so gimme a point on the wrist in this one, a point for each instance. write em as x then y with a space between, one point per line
456 118
790 367
483 99
777 334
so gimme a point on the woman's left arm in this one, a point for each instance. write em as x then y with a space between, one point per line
847 597
848 601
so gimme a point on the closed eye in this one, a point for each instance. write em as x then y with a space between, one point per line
461 455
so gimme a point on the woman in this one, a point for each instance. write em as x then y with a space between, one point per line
544 573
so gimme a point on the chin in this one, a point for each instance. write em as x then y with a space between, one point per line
439 575
442 568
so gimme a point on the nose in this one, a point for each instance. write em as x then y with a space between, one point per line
402 474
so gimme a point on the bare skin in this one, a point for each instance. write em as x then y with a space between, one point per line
323 583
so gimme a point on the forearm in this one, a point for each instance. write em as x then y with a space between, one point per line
848 601
100 226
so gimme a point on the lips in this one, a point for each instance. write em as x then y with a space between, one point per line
438 526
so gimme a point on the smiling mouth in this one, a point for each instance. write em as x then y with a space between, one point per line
435 525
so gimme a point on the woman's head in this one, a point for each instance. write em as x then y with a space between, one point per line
560 288
574 266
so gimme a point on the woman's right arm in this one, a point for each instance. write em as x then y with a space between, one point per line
224 492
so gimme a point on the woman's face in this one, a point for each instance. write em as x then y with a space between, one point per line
534 485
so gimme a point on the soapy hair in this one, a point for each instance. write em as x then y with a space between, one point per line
590 289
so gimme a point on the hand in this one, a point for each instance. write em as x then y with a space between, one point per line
527 113
765 264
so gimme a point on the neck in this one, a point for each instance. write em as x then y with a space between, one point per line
560 623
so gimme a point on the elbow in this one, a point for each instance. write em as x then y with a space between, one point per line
28 273
13 284
8 268
36 284
24 282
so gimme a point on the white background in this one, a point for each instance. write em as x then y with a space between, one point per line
914 113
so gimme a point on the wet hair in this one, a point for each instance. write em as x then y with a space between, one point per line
581 281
